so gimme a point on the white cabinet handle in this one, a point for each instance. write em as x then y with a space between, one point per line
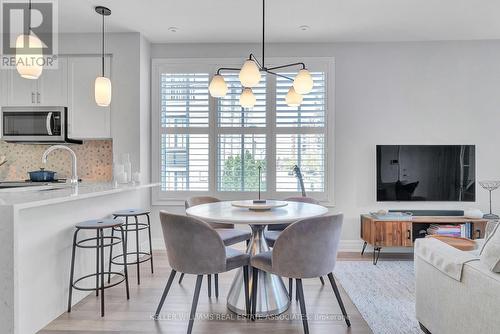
37 97
32 97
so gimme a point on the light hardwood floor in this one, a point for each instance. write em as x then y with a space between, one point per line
134 316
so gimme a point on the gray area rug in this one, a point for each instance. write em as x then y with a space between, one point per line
384 294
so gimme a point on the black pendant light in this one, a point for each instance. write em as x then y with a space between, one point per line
102 83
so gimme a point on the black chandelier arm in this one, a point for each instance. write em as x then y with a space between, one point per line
279 75
252 57
227 69
288 65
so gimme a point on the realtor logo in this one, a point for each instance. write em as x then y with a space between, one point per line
29 33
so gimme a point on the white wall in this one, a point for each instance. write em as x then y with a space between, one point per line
394 93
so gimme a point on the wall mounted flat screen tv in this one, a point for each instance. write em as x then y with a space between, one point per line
426 173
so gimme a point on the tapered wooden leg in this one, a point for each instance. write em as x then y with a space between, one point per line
302 302
216 284
290 288
165 292
247 294
339 299
255 278
322 280
180 278
209 287
196 296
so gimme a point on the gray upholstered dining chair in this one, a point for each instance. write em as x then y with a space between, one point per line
227 232
210 256
274 231
295 255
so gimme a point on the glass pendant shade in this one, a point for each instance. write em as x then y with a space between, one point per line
218 86
303 82
247 99
292 98
249 74
102 91
26 64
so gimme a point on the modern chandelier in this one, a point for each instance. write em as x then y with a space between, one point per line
249 76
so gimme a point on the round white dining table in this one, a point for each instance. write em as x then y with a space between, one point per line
272 296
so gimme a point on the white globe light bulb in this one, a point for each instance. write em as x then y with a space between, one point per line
218 86
247 99
303 82
292 98
28 63
249 74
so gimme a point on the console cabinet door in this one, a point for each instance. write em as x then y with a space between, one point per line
393 234
407 235
86 119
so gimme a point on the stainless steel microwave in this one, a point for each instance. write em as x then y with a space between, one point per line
35 124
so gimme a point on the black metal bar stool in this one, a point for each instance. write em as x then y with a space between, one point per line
133 227
99 225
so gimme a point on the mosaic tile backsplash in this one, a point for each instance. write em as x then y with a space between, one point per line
94 157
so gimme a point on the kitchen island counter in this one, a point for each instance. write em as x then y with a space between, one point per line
36 232
29 197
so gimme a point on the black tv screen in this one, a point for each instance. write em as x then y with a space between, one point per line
426 173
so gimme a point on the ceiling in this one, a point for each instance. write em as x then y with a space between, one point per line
230 21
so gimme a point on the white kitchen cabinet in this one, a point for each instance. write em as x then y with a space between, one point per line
20 91
53 85
50 89
86 119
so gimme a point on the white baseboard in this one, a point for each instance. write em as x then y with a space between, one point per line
345 246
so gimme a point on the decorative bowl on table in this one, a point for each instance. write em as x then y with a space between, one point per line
251 205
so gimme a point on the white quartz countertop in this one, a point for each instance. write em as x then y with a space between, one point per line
29 197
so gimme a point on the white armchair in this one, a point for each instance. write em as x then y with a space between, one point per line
455 292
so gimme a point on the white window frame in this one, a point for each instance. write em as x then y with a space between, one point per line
210 65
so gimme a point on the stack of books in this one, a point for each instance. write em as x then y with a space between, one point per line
462 230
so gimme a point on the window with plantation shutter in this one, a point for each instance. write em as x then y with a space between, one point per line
184 99
301 140
241 139
229 111
184 151
311 112
213 146
305 151
239 158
